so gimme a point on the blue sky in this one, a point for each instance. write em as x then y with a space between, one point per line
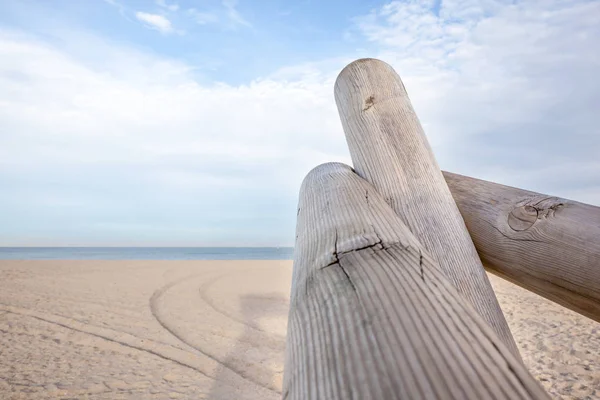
192 123
223 40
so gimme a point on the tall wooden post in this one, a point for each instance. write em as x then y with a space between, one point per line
372 316
389 149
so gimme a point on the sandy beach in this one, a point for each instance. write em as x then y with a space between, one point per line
209 329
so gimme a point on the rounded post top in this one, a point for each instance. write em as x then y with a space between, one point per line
367 81
327 168
363 63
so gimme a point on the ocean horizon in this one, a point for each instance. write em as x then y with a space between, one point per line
146 253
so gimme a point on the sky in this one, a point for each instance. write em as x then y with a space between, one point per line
193 122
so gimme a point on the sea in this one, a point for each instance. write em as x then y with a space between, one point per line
146 253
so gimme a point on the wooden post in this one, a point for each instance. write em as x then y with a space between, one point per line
371 314
545 244
389 149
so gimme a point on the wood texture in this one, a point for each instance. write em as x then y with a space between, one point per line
545 244
371 314
389 149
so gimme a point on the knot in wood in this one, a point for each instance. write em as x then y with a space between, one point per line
369 102
522 218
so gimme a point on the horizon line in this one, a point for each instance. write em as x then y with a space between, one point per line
147 246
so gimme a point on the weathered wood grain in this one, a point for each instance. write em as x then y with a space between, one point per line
545 244
372 316
389 149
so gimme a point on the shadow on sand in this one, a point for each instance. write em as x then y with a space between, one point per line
259 351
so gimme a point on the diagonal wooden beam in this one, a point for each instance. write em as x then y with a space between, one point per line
545 244
389 149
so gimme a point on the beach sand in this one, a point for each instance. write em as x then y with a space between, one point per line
209 329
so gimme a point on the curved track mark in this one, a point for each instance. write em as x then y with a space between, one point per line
202 291
121 338
154 310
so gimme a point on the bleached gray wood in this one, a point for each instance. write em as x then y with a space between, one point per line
389 149
545 244
371 314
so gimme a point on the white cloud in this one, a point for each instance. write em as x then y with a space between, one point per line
159 148
155 21
202 18
122 9
170 7
234 15
228 16
504 89
99 135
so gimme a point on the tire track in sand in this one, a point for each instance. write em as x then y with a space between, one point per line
173 330
125 339
204 296
197 362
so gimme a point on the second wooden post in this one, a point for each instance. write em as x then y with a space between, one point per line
389 149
